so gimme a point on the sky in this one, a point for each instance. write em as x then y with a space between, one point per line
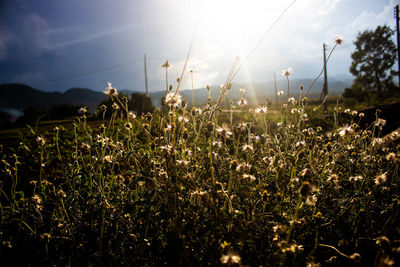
54 45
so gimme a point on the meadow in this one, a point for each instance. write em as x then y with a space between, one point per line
199 187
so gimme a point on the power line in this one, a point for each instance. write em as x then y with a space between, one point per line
90 72
261 40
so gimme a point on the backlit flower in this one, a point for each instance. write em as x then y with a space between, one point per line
261 109
380 179
82 110
287 72
230 259
339 40
242 102
173 99
166 65
110 91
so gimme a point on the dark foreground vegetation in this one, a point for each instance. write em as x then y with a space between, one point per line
188 188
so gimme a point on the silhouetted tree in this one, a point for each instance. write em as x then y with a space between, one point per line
372 64
140 103
31 116
137 102
63 111
5 120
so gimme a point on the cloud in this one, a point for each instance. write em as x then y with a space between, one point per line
328 6
2 49
18 39
29 78
94 36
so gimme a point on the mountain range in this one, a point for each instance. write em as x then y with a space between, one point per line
14 98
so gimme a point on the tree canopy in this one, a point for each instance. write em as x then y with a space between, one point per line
372 64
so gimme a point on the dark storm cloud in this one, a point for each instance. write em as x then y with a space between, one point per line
24 43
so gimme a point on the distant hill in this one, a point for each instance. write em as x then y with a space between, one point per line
15 97
20 96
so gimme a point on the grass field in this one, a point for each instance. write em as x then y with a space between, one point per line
197 187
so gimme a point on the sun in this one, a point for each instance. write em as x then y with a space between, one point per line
234 24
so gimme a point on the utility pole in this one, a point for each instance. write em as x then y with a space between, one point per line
396 15
276 93
145 75
324 92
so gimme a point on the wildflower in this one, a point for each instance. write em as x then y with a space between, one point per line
61 194
128 125
168 128
224 131
110 91
355 178
245 167
132 115
108 158
217 144
82 110
36 199
356 257
386 261
85 147
344 131
228 86
103 108
313 264
182 162
242 102
361 115
242 91
247 147
383 241
292 100
230 259
287 72
377 142
40 141
318 215
225 244
115 106
300 143
391 156
261 109
280 93
249 177
181 118
293 248
173 99
242 126
233 165
166 65
280 229
380 122
333 179
380 179
339 40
